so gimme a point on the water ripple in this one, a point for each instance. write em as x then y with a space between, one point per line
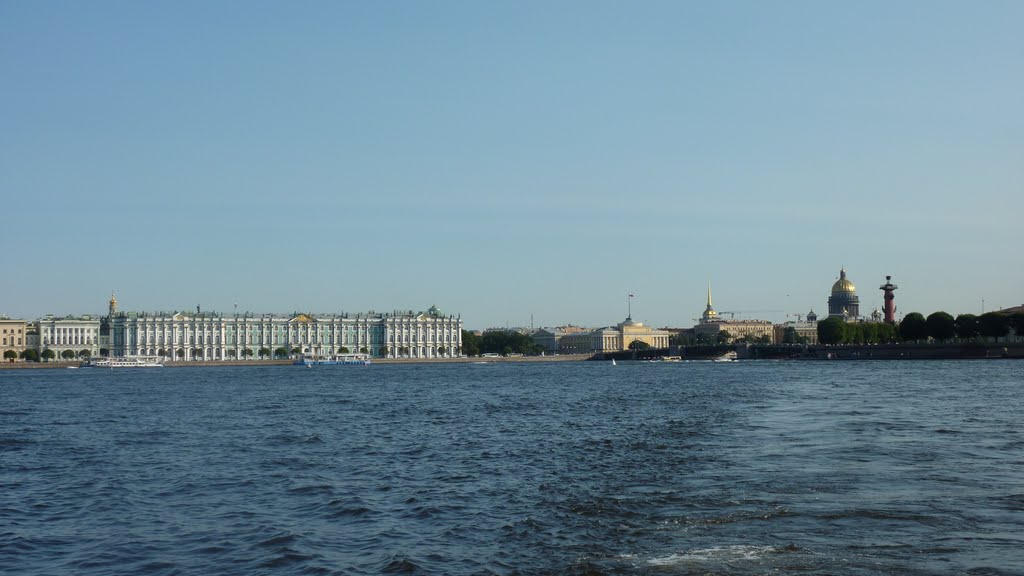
508 469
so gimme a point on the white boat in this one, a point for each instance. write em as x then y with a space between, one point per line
727 357
313 360
125 362
613 362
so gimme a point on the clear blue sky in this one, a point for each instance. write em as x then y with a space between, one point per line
509 159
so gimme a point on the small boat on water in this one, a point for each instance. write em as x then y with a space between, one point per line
311 360
727 357
125 362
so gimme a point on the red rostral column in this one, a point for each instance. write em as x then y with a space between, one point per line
890 306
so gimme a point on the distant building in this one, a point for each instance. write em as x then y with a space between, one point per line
711 324
524 330
549 338
71 333
736 329
12 337
210 336
805 330
614 338
844 302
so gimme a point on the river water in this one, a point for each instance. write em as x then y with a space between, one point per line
533 468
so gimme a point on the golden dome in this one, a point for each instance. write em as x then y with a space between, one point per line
843 284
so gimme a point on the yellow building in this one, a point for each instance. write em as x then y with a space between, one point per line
711 324
614 338
12 337
736 329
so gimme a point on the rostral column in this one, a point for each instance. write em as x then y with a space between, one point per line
890 305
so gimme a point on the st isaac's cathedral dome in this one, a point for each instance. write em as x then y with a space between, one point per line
844 301
843 284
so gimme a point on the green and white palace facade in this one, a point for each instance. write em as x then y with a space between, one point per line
205 336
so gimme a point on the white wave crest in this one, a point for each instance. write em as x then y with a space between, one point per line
717 554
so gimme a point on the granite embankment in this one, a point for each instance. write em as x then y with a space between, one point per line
229 363
901 351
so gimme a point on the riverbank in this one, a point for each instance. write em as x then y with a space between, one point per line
899 351
235 363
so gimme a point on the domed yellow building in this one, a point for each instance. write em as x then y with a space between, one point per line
844 302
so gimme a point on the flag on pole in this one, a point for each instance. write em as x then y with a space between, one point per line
631 295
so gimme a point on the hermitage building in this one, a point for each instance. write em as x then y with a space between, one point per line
210 336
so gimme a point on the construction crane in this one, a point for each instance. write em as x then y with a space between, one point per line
732 313
799 316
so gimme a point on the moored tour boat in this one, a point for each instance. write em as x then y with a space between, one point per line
313 360
125 362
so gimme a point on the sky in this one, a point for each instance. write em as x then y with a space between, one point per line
512 162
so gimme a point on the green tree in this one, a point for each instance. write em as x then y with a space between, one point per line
161 352
1017 323
384 351
343 350
264 352
247 352
364 350
994 325
83 353
281 352
10 355
854 333
67 354
639 345
180 353
871 331
470 344
508 342
790 336
30 355
723 337
296 350
48 355
683 338
914 327
941 326
197 353
967 326
886 333
831 330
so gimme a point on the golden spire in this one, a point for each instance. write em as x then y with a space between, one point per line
709 312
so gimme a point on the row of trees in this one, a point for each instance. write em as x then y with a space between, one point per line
31 355
836 331
499 342
915 327
942 327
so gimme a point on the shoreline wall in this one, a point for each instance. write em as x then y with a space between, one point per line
901 351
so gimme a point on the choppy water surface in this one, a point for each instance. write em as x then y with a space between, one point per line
583 468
